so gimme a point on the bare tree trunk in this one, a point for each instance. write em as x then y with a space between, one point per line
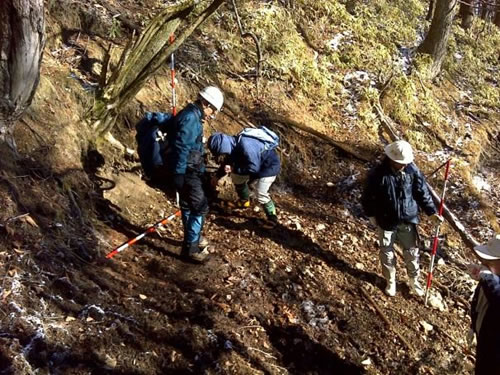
144 57
467 13
496 21
436 41
430 12
21 45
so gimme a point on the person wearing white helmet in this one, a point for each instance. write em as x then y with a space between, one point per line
185 163
393 193
485 308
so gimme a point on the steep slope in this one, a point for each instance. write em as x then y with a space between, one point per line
304 298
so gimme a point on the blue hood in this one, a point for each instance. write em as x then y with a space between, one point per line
220 143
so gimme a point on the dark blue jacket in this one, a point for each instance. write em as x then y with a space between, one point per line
485 312
186 141
394 198
249 158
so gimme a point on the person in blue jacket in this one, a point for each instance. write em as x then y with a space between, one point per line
185 161
485 308
250 162
393 193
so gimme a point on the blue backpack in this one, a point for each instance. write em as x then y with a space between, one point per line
151 140
269 138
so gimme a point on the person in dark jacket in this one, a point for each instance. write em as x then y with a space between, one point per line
393 193
485 308
249 162
186 164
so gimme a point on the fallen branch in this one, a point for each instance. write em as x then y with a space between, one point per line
469 240
386 122
363 156
384 318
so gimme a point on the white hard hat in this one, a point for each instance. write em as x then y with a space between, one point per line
400 152
489 251
214 96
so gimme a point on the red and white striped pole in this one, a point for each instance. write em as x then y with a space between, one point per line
151 229
436 235
172 76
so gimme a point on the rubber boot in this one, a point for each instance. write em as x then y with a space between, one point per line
270 210
416 288
192 252
390 288
244 196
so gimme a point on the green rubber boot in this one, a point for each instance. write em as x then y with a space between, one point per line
270 210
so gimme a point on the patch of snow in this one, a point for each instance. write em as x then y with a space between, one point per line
480 183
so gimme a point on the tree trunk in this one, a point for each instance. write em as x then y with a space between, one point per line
430 11
496 21
21 45
436 41
144 57
467 13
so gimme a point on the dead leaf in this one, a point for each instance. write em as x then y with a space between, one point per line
30 221
12 272
6 294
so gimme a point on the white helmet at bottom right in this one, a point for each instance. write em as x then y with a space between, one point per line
214 96
400 152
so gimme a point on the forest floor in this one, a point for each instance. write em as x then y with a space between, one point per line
305 297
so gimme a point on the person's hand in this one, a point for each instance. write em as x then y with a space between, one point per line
373 220
476 271
437 219
178 181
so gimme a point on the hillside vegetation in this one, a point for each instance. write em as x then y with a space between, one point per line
304 298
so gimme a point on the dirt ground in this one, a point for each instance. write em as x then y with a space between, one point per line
291 300
303 298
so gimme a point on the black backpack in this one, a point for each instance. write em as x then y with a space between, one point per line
151 137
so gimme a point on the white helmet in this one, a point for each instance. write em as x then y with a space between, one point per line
400 152
214 96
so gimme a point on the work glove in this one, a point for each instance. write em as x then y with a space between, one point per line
227 169
178 181
437 219
373 220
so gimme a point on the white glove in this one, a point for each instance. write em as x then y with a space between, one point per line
373 220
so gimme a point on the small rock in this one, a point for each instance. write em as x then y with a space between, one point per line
70 318
366 362
436 301
330 184
142 296
109 361
320 227
360 266
427 327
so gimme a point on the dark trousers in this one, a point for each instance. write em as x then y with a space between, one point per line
194 207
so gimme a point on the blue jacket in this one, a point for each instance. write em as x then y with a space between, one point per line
186 141
394 198
485 313
249 158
